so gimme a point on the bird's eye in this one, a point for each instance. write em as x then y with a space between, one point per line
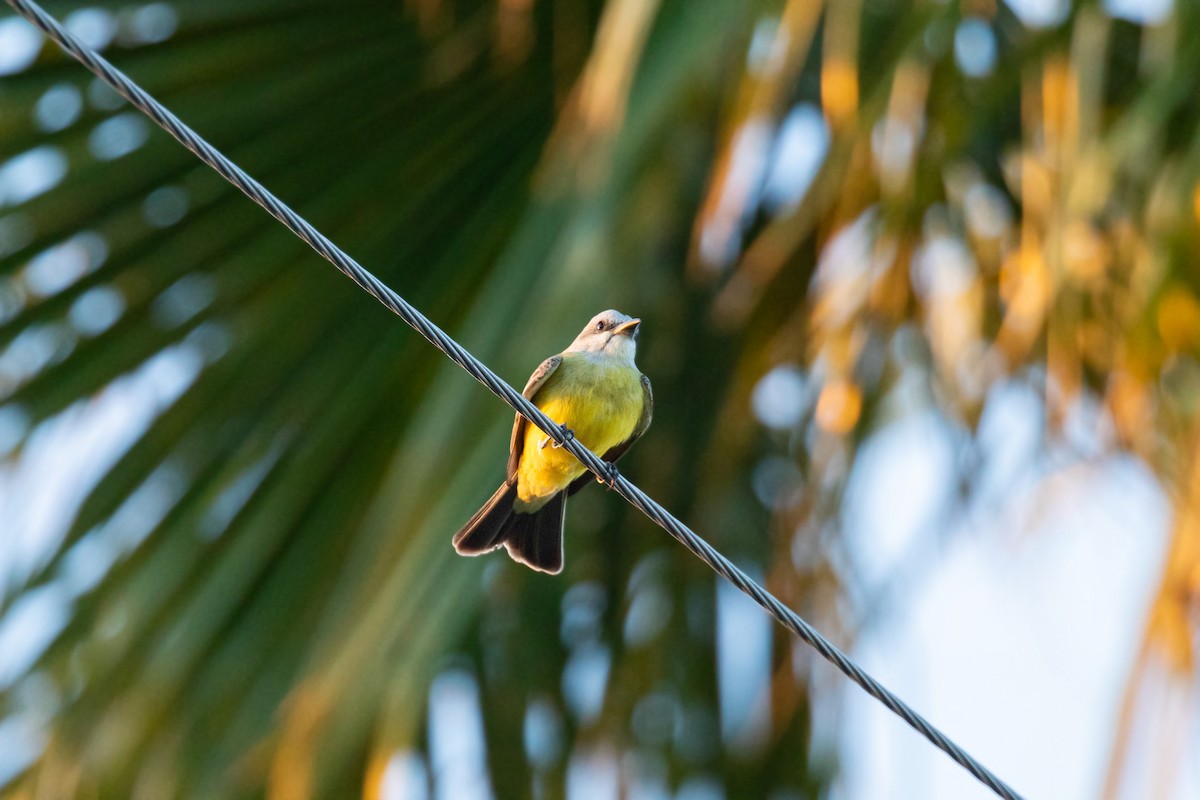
600 325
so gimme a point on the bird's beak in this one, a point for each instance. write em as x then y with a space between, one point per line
629 328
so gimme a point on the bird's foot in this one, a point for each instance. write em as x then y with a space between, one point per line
609 479
567 435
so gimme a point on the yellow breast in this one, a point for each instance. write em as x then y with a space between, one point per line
600 401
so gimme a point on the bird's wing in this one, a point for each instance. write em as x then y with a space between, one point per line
618 450
536 380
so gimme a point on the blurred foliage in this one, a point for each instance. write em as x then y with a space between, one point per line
260 591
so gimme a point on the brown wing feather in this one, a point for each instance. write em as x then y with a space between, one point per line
535 382
616 451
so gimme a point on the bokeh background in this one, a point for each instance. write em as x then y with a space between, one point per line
919 282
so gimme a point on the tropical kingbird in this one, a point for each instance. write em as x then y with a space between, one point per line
595 392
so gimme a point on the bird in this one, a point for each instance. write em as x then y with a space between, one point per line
594 391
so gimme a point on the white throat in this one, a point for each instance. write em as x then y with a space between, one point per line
617 347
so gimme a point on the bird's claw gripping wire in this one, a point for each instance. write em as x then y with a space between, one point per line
567 435
609 479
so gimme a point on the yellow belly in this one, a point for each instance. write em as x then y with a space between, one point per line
600 403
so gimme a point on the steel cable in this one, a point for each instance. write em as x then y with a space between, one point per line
481 372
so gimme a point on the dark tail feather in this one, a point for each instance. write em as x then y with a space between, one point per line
536 539
532 539
485 530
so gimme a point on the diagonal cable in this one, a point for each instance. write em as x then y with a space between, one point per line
481 372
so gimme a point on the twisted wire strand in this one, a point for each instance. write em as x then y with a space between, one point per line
482 373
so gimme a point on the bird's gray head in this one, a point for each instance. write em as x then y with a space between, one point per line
610 333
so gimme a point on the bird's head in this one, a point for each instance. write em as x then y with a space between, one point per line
609 333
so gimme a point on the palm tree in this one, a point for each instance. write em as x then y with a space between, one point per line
811 205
